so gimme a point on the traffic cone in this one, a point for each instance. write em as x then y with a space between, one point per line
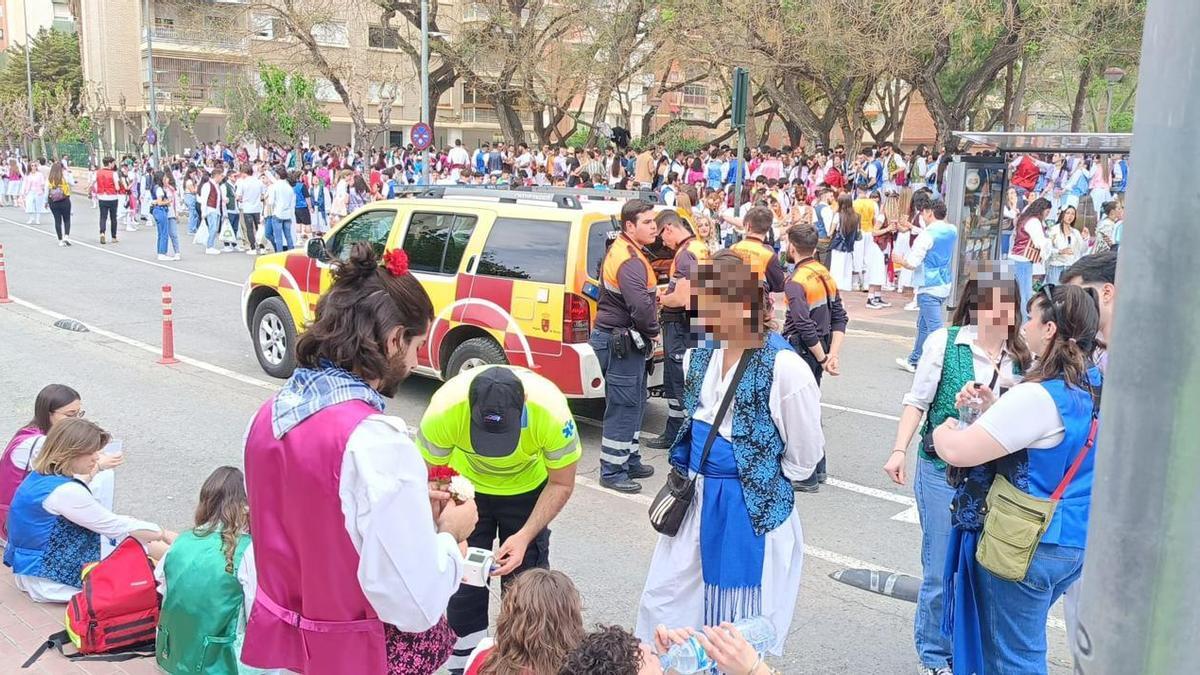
4 299
168 329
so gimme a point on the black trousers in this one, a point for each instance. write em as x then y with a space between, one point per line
498 517
817 371
108 209
61 210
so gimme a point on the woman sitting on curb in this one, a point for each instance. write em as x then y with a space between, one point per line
55 525
53 403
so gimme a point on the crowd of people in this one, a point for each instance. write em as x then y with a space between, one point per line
358 560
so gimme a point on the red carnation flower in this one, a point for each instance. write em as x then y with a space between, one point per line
396 262
439 474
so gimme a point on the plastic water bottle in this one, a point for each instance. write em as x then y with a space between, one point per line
690 657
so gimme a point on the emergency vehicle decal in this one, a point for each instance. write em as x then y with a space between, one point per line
487 315
289 284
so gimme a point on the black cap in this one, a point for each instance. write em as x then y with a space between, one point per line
497 400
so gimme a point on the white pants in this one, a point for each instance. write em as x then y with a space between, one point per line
840 267
875 266
860 255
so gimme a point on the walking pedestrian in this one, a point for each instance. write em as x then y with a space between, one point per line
108 195
249 195
753 410
59 200
983 344
212 207
33 191
356 557
625 327
931 258
12 185
160 203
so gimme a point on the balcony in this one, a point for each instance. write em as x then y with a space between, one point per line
196 39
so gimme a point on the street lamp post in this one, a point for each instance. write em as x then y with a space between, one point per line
425 112
154 156
1112 76
29 80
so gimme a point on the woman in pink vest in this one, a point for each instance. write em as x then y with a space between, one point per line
53 403
356 558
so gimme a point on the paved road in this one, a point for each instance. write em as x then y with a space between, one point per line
180 422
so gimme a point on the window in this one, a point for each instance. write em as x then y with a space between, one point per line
372 227
435 241
600 235
383 37
331 34
164 25
695 94
266 27
518 248
325 91
475 12
472 96
218 26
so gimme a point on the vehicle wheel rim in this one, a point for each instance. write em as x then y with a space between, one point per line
272 339
472 363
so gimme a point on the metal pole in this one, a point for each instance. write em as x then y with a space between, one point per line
1138 607
154 156
29 79
740 171
425 112
1108 85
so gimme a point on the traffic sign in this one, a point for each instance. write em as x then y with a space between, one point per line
421 136
151 136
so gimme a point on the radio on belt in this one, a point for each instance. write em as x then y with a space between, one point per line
478 568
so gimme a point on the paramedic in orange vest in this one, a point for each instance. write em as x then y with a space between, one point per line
755 250
623 337
676 323
816 319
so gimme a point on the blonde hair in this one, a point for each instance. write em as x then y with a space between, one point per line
541 621
68 440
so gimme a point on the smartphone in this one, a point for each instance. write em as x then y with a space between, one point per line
115 447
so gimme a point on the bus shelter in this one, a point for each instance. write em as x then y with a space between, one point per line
975 186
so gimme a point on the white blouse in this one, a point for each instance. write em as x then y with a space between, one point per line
933 355
795 403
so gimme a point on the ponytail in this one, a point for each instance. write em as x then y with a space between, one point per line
1075 311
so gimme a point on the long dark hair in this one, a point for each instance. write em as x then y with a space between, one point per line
1035 209
1063 225
851 221
354 318
966 313
50 398
223 508
1075 311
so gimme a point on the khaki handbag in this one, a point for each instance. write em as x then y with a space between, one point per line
1015 521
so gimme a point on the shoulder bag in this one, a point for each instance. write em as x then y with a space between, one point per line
673 500
1016 521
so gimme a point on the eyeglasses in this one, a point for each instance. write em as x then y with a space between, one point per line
77 413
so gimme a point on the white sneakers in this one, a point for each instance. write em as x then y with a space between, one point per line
905 365
212 251
131 228
912 307
164 257
62 244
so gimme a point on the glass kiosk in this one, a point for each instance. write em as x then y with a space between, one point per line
975 186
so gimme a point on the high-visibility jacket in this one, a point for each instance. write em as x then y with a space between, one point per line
759 256
614 310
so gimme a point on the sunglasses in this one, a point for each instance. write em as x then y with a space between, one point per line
1047 294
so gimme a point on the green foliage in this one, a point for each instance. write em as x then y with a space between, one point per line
281 107
578 139
675 136
53 59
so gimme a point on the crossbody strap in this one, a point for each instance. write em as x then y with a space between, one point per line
738 371
1087 447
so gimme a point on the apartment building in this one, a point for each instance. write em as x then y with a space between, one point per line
21 17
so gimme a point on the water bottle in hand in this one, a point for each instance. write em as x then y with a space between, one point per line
690 657
971 410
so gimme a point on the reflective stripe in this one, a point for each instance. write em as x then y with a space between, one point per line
616 445
622 454
612 288
561 452
433 449
674 404
675 413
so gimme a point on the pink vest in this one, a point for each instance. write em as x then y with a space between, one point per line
309 615
11 475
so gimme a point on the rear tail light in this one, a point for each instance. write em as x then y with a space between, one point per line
577 319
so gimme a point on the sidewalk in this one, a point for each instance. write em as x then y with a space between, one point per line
895 319
25 624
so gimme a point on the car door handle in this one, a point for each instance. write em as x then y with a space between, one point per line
470 268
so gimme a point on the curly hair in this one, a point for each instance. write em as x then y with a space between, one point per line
610 650
541 620
354 319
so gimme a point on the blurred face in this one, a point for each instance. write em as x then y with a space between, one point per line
84 465
644 230
997 306
724 319
72 409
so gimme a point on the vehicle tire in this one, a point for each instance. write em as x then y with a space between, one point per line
473 353
274 335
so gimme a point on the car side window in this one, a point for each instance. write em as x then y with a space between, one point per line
371 226
519 248
435 241
600 236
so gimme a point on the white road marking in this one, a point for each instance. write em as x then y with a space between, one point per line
908 515
110 251
857 411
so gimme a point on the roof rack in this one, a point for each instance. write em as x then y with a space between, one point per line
593 193
505 196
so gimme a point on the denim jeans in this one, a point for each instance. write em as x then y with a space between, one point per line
173 233
933 507
929 319
161 227
1023 270
1054 273
213 221
625 405
278 232
1012 615
193 211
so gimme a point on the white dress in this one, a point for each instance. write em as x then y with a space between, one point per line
674 591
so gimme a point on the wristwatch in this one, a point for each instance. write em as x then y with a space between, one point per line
824 360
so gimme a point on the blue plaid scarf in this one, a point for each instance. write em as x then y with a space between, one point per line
311 390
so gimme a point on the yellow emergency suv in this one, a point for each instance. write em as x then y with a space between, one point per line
512 275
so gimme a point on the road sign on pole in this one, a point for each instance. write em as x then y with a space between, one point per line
421 135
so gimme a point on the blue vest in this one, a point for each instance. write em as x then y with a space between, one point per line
757 446
712 173
935 270
879 173
41 544
1120 185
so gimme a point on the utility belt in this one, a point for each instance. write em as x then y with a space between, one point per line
674 315
803 350
626 341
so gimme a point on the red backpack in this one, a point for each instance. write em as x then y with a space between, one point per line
116 613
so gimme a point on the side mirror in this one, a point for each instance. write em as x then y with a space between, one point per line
317 249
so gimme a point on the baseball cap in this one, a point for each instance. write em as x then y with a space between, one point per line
497 400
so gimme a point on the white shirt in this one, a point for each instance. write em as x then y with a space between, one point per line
933 356
459 156
205 189
26 451
249 193
283 200
1025 417
916 257
795 403
1037 237
75 503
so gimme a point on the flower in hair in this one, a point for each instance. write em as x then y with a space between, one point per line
396 262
